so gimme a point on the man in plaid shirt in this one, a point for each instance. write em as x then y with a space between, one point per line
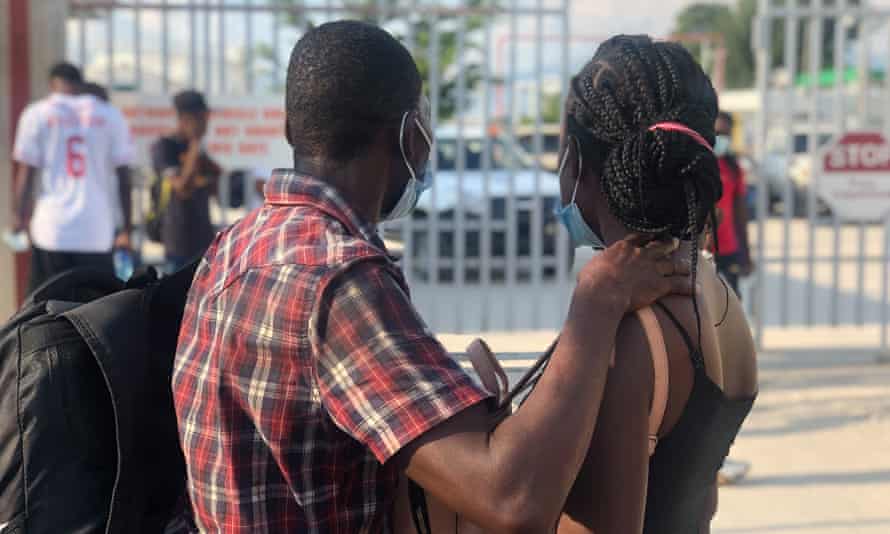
306 383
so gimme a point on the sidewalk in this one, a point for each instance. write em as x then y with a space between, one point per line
819 442
818 438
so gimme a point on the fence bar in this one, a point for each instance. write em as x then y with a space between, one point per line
562 243
536 227
433 219
82 37
864 71
512 250
381 11
788 200
762 40
248 50
864 109
884 355
165 50
137 47
460 248
410 37
193 44
840 126
860 277
485 233
834 312
276 55
109 49
221 33
815 68
885 291
407 224
208 58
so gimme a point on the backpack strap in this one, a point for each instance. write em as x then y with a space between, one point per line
661 384
698 360
122 360
81 284
489 369
420 513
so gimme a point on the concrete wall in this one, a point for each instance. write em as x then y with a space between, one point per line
7 269
46 44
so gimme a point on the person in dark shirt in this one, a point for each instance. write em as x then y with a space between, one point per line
192 176
733 252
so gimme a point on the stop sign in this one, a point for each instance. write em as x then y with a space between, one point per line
854 176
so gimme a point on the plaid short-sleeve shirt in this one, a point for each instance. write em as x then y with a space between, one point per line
302 368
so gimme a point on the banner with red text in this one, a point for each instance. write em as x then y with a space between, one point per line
245 132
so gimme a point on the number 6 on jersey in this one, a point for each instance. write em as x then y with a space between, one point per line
75 162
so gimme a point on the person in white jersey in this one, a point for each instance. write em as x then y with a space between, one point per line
73 152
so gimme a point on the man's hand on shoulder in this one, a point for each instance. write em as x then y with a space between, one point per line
636 273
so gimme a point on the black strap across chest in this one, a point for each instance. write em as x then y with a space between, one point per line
695 354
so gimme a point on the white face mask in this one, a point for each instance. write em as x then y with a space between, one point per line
416 185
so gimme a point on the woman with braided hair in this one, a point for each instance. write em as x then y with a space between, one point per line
637 159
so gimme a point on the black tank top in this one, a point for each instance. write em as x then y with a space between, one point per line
685 464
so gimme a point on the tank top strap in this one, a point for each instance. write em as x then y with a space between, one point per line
698 360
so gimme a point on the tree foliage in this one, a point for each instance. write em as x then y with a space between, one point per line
421 31
736 25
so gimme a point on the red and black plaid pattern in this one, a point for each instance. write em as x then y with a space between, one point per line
302 368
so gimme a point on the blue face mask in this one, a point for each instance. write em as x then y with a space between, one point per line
570 216
722 145
418 183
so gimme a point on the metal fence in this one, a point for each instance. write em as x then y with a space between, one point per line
821 71
483 251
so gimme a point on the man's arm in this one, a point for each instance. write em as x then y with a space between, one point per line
516 477
183 182
609 494
211 172
740 209
125 188
741 226
24 196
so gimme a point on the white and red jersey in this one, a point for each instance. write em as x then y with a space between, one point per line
76 142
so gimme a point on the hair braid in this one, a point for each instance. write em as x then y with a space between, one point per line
658 182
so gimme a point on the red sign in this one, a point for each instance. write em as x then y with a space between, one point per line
859 152
855 176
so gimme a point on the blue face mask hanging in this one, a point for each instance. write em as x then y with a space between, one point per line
416 184
570 216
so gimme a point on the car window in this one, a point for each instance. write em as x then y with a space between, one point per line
474 150
549 142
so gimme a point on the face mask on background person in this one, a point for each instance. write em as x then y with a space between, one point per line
570 216
419 181
722 145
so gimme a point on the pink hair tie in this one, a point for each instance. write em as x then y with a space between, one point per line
673 126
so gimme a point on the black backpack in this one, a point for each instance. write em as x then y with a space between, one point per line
88 436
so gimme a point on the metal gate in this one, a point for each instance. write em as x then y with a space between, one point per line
822 70
484 251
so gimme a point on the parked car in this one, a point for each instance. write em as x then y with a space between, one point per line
492 175
549 154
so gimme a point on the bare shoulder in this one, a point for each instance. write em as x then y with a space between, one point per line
738 354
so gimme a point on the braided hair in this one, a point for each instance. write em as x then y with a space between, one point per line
654 180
